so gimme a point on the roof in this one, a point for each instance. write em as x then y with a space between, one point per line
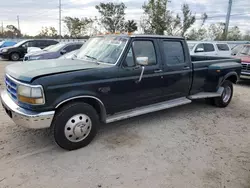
144 35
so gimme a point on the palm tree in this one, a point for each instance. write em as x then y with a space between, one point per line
130 26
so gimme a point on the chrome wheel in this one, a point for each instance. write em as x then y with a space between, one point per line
226 95
78 127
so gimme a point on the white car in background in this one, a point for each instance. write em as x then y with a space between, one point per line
209 48
32 50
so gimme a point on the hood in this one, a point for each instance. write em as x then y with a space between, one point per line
45 55
9 47
26 71
245 59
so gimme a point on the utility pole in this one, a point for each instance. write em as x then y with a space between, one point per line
18 23
2 28
228 18
60 19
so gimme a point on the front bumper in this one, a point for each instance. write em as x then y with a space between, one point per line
23 117
4 55
245 74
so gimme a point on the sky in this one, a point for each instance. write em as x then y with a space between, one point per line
34 14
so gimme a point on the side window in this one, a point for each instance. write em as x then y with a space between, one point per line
222 47
28 44
69 48
208 47
174 53
145 49
199 48
78 46
129 61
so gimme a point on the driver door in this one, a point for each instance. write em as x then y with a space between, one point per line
132 92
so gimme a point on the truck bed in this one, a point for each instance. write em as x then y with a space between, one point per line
204 71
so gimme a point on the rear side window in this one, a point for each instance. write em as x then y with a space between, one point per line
222 47
208 47
70 48
51 42
174 53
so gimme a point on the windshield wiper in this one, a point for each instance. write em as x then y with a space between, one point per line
90 57
93 58
243 53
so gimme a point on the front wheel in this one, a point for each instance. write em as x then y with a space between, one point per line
75 125
226 96
14 56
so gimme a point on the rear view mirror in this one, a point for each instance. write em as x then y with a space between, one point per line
142 61
199 50
63 52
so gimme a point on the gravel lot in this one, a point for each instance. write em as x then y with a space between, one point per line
193 146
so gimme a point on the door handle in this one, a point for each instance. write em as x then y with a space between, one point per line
186 67
158 71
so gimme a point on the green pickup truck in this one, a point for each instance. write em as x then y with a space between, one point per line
113 77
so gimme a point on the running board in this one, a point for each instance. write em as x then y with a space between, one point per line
147 109
203 95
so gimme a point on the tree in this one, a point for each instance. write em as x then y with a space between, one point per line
155 16
216 31
11 31
197 34
130 26
112 16
48 32
158 20
234 34
77 27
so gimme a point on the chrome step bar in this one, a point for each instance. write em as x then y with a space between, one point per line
203 95
147 109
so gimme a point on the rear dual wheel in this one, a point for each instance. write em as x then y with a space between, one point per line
225 98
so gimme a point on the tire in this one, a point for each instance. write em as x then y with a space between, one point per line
75 125
226 96
14 56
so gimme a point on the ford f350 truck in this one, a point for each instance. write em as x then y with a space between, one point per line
113 77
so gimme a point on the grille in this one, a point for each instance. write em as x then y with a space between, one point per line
245 66
11 87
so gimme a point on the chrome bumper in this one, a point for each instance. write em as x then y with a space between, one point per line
23 117
245 74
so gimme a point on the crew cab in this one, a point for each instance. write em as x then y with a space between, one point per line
111 78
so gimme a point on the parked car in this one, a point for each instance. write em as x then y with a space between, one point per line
7 44
54 52
235 50
113 78
209 48
70 55
33 50
244 55
18 51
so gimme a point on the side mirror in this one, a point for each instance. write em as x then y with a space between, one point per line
199 50
63 52
142 61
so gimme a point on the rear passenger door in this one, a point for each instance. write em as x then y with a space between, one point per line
177 69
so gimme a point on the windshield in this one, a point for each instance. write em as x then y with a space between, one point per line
48 47
1 43
191 45
19 43
103 49
245 51
56 48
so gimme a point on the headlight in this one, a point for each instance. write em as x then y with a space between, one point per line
34 57
4 50
31 95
